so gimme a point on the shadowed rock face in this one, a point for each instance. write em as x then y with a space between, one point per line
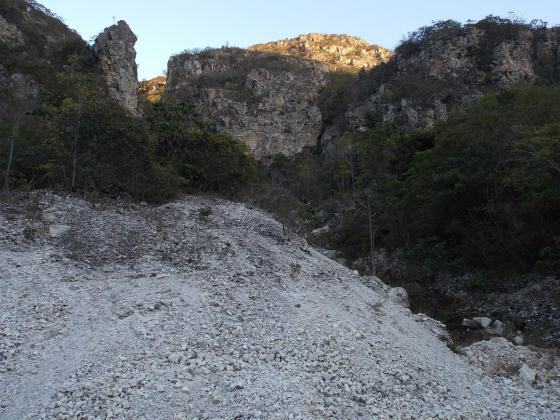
10 35
117 61
267 101
34 48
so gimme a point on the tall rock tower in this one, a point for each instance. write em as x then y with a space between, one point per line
117 61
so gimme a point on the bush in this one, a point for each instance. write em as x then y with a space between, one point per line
203 160
204 213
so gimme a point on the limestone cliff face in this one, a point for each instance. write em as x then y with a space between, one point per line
338 52
432 77
117 61
34 45
10 35
268 102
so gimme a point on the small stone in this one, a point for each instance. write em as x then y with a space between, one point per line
518 340
175 358
483 321
399 296
527 374
216 397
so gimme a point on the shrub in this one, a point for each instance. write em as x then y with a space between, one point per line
295 269
204 213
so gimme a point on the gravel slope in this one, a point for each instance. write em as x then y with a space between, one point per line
143 313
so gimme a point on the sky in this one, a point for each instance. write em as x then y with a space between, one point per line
167 27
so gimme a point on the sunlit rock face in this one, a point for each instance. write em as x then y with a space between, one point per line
117 61
267 101
152 90
338 52
428 80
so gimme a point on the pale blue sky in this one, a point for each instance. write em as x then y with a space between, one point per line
167 27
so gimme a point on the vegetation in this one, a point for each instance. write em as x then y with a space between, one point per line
336 95
203 160
80 140
479 192
204 213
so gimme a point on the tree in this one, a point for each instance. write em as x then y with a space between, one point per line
367 201
13 136
17 109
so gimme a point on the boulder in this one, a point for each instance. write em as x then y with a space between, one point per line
435 326
57 231
320 231
483 321
375 283
497 327
527 375
399 296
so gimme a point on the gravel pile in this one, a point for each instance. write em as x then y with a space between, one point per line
128 311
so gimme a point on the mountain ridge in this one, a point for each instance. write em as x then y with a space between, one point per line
340 52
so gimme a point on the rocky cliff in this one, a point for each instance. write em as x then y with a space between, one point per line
117 61
444 67
338 52
267 101
34 45
10 35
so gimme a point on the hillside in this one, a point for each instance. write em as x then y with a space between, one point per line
34 47
118 310
339 52
142 276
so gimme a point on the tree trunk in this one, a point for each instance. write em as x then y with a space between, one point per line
75 153
10 158
371 238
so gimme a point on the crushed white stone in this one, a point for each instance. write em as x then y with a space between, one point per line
142 312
